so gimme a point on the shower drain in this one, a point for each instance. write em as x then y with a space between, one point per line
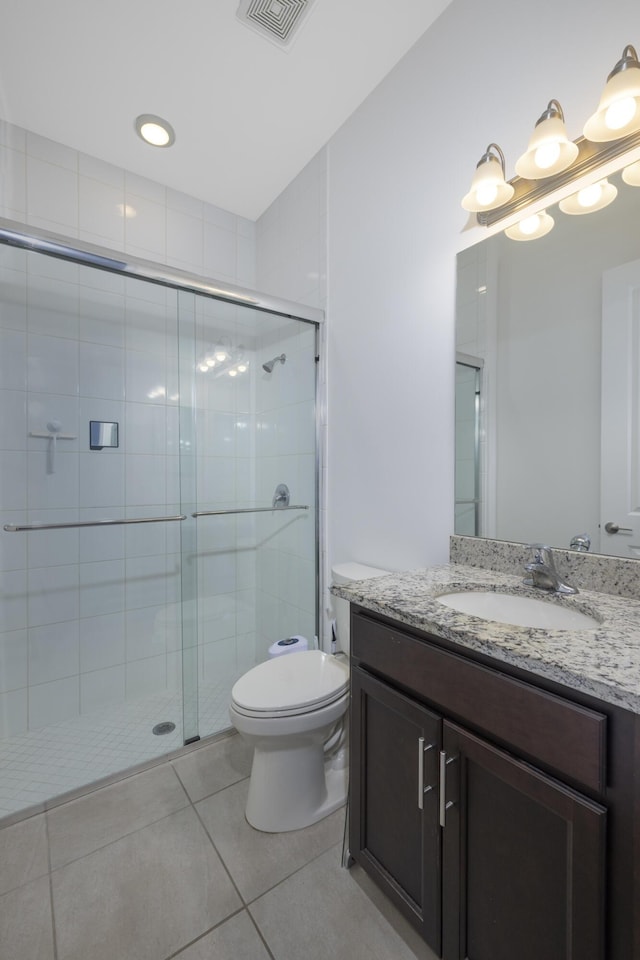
166 727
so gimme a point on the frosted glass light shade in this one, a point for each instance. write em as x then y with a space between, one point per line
631 174
618 112
550 151
489 189
594 197
530 228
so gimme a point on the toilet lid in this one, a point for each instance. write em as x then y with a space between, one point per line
296 681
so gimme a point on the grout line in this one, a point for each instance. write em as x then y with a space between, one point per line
294 872
206 933
218 854
260 934
123 836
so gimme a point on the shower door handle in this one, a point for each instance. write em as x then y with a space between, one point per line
19 527
223 513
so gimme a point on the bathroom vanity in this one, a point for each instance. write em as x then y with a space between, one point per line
495 770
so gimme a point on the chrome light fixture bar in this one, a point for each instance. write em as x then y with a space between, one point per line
591 157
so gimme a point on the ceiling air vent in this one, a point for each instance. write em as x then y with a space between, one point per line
278 20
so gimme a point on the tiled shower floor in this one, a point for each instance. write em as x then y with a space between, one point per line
65 756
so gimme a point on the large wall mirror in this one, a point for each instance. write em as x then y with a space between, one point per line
548 383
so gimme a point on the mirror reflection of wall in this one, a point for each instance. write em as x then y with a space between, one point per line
533 312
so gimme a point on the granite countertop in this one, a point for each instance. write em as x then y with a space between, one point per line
603 662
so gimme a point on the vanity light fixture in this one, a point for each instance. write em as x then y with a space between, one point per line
537 225
594 197
618 112
154 130
550 150
488 187
552 163
631 174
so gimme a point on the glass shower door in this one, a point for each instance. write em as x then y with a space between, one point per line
255 429
90 569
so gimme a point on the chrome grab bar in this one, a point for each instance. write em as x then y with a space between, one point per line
16 527
220 513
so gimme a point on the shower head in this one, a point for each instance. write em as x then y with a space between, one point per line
270 364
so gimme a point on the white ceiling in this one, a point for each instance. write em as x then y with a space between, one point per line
248 115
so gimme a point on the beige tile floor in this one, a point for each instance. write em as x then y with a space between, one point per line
164 865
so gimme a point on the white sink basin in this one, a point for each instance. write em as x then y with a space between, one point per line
518 611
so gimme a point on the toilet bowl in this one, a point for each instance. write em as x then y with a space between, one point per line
290 709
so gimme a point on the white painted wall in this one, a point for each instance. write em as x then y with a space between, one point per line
291 255
396 172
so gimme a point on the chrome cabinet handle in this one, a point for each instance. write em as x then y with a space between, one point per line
444 805
421 787
612 527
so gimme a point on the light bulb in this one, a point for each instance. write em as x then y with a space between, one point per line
546 155
210 362
203 367
486 194
530 224
620 113
590 195
242 367
233 373
220 356
155 134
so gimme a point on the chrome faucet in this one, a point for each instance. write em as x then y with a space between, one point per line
581 542
543 571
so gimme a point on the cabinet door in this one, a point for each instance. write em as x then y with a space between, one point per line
394 832
523 859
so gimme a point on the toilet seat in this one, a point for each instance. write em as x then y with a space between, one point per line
291 685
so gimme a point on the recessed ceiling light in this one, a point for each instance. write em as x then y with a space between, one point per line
155 130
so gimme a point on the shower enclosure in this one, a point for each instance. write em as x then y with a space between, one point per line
146 560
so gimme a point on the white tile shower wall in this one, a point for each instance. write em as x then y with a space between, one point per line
49 185
285 453
225 479
291 255
88 617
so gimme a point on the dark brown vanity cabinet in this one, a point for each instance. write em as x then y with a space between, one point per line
458 806
394 829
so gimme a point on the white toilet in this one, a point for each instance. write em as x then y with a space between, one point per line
289 708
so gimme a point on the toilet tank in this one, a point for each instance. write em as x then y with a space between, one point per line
345 573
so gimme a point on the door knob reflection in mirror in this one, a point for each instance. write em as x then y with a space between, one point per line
612 527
